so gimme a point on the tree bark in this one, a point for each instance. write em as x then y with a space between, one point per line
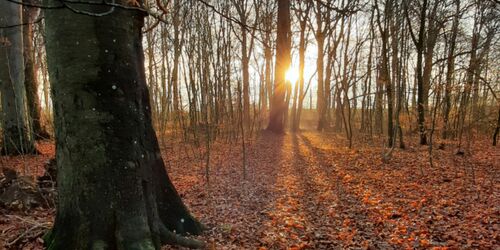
30 77
384 74
420 46
283 44
303 15
320 40
114 192
177 54
497 129
450 73
16 132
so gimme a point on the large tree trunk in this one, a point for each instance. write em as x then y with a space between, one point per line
283 44
114 192
16 137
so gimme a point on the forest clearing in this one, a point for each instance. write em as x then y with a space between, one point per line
249 124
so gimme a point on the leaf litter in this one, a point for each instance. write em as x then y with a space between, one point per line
309 191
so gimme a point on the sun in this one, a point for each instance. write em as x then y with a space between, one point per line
292 75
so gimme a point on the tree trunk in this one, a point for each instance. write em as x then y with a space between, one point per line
420 102
379 112
302 50
384 74
175 65
320 102
497 129
294 105
421 98
30 77
114 192
267 77
268 54
16 132
450 73
283 44
245 60
365 102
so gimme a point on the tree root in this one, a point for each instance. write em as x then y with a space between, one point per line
171 238
166 237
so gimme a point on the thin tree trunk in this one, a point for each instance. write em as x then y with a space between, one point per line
450 72
497 130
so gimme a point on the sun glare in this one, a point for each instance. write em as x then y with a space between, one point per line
292 76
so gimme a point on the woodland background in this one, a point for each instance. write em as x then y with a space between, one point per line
389 137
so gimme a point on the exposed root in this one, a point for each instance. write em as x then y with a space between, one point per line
169 237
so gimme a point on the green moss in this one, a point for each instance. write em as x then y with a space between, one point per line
146 244
48 237
100 245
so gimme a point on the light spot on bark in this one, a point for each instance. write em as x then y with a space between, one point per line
130 164
113 87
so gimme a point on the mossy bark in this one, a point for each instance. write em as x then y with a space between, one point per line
114 192
16 136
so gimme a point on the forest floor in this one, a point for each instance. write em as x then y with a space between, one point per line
309 191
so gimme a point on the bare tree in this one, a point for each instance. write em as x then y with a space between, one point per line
15 126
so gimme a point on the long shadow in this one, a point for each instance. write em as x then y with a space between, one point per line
283 212
322 226
255 197
234 208
356 230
